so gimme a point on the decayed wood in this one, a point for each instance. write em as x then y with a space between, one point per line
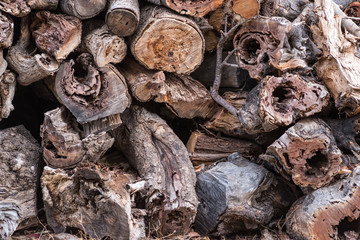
7 92
63 146
17 8
307 152
167 41
123 17
3 63
20 156
161 159
82 9
246 9
328 213
208 33
353 10
238 195
91 93
209 149
7 31
43 4
56 34
91 199
193 8
289 9
29 65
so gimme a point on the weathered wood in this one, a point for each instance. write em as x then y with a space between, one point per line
20 156
82 9
7 92
328 213
208 33
167 41
91 93
3 63
353 10
17 8
238 195
123 17
307 152
246 8
188 7
29 65
7 31
43 4
161 159
56 34
289 9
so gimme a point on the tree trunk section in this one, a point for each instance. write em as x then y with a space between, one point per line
43 4
82 9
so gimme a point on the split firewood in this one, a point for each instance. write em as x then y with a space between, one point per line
82 9
7 31
167 41
56 34
23 59
288 9
239 195
20 157
91 93
161 159
43 4
123 17
63 146
91 199
307 153
328 213
246 8
7 92
17 8
188 7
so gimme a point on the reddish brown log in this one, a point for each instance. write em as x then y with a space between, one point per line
353 10
289 9
17 8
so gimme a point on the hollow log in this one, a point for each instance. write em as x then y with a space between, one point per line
91 199
7 31
82 9
161 159
247 9
238 195
18 182
29 65
289 9
7 92
330 212
56 34
188 7
91 93
167 41
123 17
307 153
17 8
43 4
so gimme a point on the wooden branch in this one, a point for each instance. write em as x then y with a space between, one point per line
56 34
246 9
43 4
7 31
91 93
307 152
161 159
167 41
328 213
123 17
82 9
17 8
7 92
18 182
29 65
192 8
289 9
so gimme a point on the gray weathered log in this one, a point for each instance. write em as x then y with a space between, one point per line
82 9
7 92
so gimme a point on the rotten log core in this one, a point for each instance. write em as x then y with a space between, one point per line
82 9
17 8
7 31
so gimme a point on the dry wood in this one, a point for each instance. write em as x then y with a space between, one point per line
7 92
3 63
56 34
167 41
43 4
161 159
7 31
353 10
307 152
82 9
238 195
29 65
17 8
123 17
289 9
18 181
246 8
208 33
328 213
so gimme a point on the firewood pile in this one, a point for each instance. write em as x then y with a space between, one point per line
179 119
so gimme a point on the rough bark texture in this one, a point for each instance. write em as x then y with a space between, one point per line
328 213
43 4
7 31
7 92
161 159
3 63
18 180
246 8
82 9
167 41
307 152
238 195
17 8
289 9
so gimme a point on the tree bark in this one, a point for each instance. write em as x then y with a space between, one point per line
7 31
18 182
82 9
123 17
7 92
43 4
167 41
17 8
289 9
161 159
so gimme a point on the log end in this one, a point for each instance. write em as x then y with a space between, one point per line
122 22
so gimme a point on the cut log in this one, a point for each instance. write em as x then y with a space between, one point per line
289 9
18 181
328 213
7 31
7 92
56 34
307 152
63 147
43 4
91 93
82 9
123 17
239 195
167 41
246 8
17 8
208 32
188 7
29 65
91 199
161 159
3 63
